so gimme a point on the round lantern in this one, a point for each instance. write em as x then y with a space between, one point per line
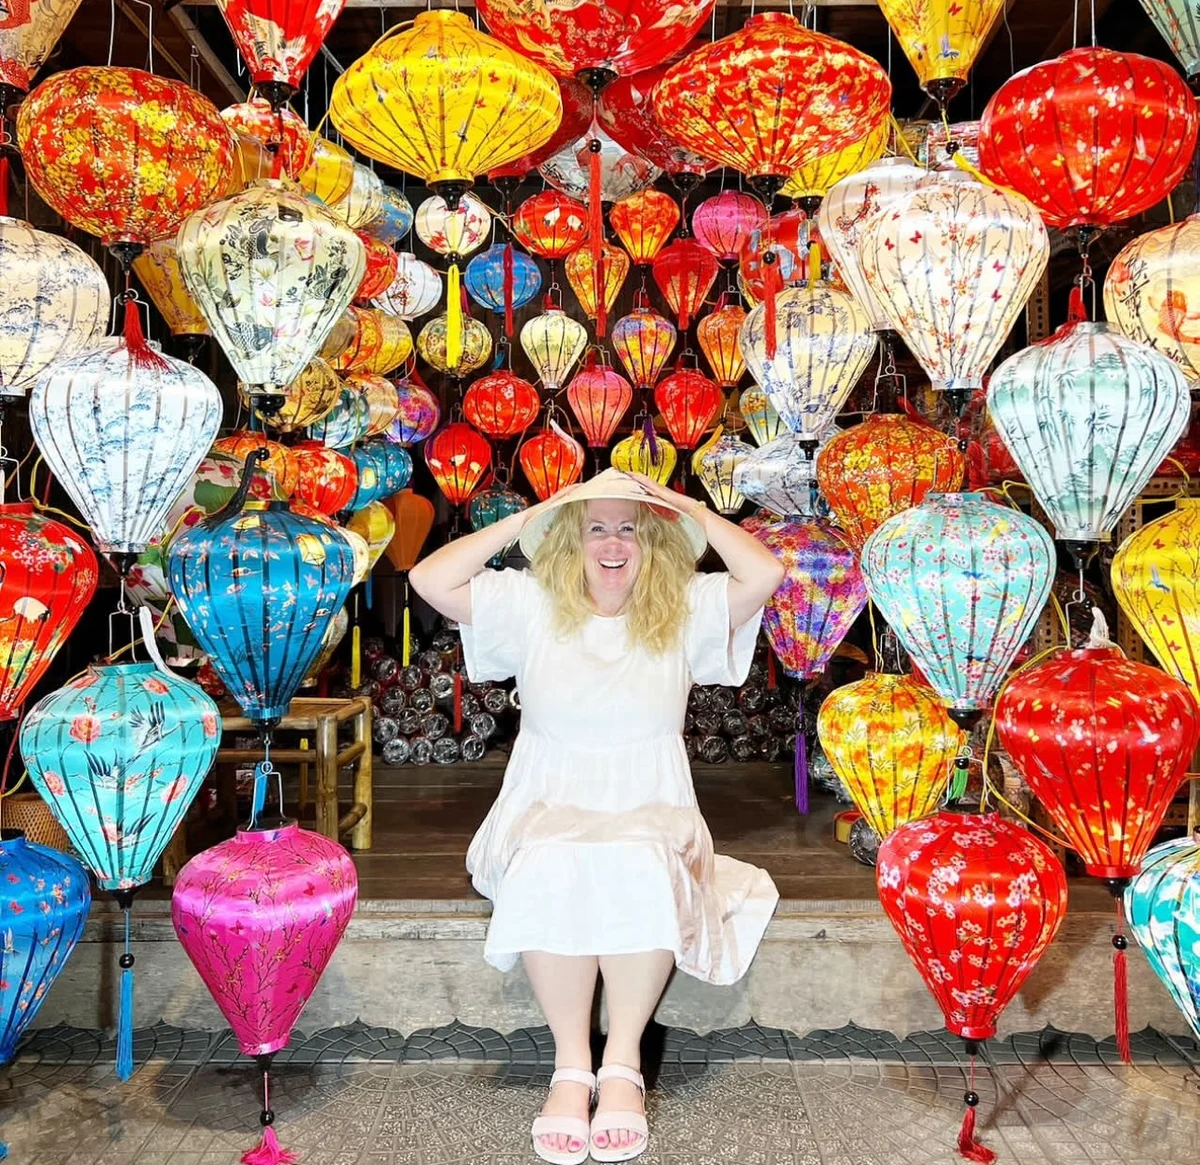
718 334
824 345
643 340
502 279
383 469
716 464
550 224
845 213
724 223
430 77
1152 292
553 341
272 902
381 343
376 526
551 460
476 344
394 221
380 270
599 397
962 582
883 466
1178 24
892 744
492 505
812 182
325 479
278 466
311 397
1091 137
347 422
54 302
760 416
501 405
581 275
49 578
281 131
363 201
779 477
771 97
417 413
458 457
453 232
341 337
952 263
690 404
685 272
330 174
123 154
123 434
1088 417
29 34
643 222
270 315
619 172
416 290
644 451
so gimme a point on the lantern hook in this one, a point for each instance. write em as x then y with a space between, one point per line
253 459
123 609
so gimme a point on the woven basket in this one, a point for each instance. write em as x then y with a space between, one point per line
29 812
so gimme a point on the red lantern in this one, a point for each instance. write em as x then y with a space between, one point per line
382 265
551 224
689 403
643 340
1091 137
718 336
501 404
685 272
786 237
48 579
643 222
283 131
458 457
576 117
550 460
599 397
326 479
725 222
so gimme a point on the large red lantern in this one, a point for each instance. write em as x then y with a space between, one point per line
382 265
689 403
599 397
501 404
551 460
326 479
1091 137
644 222
725 222
685 272
551 224
458 457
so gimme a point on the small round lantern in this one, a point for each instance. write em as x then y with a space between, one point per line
501 405
725 222
417 413
550 224
416 290
644 222
644 451
325 479
458 457
434 347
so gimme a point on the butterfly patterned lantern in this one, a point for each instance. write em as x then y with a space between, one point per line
501 404
644 451
760 416
417 414
383 469
1088 417
459 458
882 466
779 477
433 345
550 460
952 263
260 916
724 223
30 32
644 222
459 102
502 279
962 581
716 463
281 132
685 272
643 340
690 404
581 273
118 755
976 900
809 185
553 341
416 290
718 334
599 397
892 745
1179 25
550 224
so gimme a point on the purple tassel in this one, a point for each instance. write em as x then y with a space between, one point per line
651 439
801 759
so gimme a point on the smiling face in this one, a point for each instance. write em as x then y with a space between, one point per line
612 556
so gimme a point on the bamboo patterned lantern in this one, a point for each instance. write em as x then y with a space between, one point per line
281 132
551 460
599 397
29 33
643 340
724 223
718 334
550 224
416 290
1178 24
458 457
501 404
645 452
644 222
553 342
685 272
690 404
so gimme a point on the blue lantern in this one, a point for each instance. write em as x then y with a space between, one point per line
384 468
119 754
394 221
962 581
491 505
346 423
485 278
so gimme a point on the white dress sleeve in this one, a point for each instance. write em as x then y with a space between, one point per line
494 641
716 655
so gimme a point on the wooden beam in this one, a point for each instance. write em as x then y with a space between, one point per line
212 62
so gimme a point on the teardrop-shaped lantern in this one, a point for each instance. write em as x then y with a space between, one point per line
30 32
551 460
716 464
644 222
760 416
581 275
458 457
416 290
550 224
644 341
639 453
502 277
813 181
718 335
724 223
599 397
779 476
1088 417
1178 24
553 341
325 479
417 413
414 516
282 132
690 404
962 582
476 346
685 272
380 269
501 405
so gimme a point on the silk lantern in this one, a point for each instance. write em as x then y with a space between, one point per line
724 222
760 416
363 201
118 755
962 581
414 516
551 460
381 264
501 404
29 34
280 131
330 174
609 175
416 290
718 335
270 310
716 463
809 185
1152 292
383 402
278 464
49 578
643 340
643 222
553 341
599 397
883 466
309 398
383 469
259 916
770 97
458 457
581 275
1178 24
433 344
376 526
395 220
550 224
690 404
685 272
340 337
492 505
976 900
775 256
347 422
381 343
779 476
157 269
459 102
952 263
1088 417
502 279
892 745
123 435
417 413
645 452
453 231
325 479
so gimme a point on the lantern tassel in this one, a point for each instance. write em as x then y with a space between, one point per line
1121 989
1076 309
258 794
772 286
814 265
268 1151
125 1008
651 439
801 764
595 213
458 701
3 1151
968 1146
601 297
508 290
356 656
140 352
3 213
454 317
407 649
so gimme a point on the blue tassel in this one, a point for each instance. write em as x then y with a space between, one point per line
369 591
3 1151
260 792
125 1012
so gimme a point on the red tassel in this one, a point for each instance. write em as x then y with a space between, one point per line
596 224
772 286
601 305
458 694
968 1146
508 290
772 678
1121 990
3 185
139 350
269 1152
1076 310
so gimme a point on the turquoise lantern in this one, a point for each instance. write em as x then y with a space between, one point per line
489 506
384 468
1179 23
344 424
962 582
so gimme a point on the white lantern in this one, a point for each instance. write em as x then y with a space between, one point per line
416 290
553 342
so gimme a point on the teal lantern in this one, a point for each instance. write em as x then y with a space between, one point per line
489 506
1179 23
384 468
394 220
346 423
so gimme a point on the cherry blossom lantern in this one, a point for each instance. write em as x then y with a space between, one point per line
643 222
690 404
724 222
501 404
415 291
599 397
458 457
685 272
1178 24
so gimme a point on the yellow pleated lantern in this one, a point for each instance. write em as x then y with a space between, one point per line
381 343
718 334
893 745
157 268
375 524
638 454
553 342
445 102
1156 578
330 174
307 400
476 346
363 202
581 275
812 182
715 464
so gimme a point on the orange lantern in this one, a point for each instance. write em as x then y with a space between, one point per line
382 265
718 333
282 132
551 224
685 272
599 397
280 462
643 222
501 404
581 275
414 516
689 403
643 340
381 343
550 460
458 457
326 479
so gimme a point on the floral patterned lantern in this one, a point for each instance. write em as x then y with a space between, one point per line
383 402
618 172
281 131
760 416
892 744
363 202
962 582
553 342
724 223
1088 417
416 290
550 460
383 469
1091 137
326 479
501 405
54 302
272 271
272 902
1179 25
434 347
771 97
643 340
883 466
123 154
123 434
380 271
690 404
952 263
550 224
718 334
459 102
417 415
502 279
581 275
459 458
809 185
599 397
310 398
453 232
644 452
49 578
381 343
348 421
779 477
716 464
685 272
644 222
278 465
395 220
376 526
330 174
157 268
29 35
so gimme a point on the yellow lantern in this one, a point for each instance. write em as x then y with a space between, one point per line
307 400
251 161
1156 578
363 202
718 335
553 342
760 416
374 522
476 346
715 463
330 174
158 269
445 102
636 454
812 182
581 275
381 343
893 744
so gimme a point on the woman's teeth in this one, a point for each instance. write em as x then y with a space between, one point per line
612 564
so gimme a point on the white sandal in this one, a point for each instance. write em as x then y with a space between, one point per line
609 1122
566 1126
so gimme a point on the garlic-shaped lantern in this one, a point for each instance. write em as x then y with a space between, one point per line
716 464
475 346
553 341
416 290
781 477
645 451
272 271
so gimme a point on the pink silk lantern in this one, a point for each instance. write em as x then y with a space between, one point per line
260 915
725 222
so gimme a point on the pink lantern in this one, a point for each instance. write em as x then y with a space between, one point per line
260 916
725 222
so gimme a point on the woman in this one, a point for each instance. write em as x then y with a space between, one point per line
594 855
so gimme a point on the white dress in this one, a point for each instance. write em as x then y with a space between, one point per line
595 844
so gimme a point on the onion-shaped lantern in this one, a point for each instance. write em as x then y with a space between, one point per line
434 348
502 279
417 415
501 404
716 464
780 477
550 460
280 131
278 465
416 290
725 222
718 334
643 340
809 185
380 270
581 275
330 174
311 397
325 479
599 397
550 224
685 272
644 452
458 457
644 222
383 469
619 172
553 341
1178 24
760 416
29 34
690 404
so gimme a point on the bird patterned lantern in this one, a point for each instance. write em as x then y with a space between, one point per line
643 340
330 174
724 223
325 479
550 460
716 463
29 33
718 334
553 341
645 452
550 224
685 272
454 232
501 404
459 458
644 222
690 404
599 397
416 290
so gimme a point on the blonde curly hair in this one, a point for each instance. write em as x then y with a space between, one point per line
657 609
